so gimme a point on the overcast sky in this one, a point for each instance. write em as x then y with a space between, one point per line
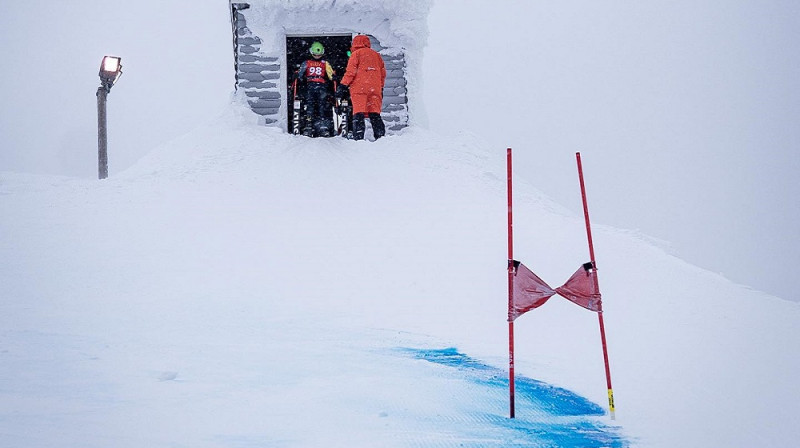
685 112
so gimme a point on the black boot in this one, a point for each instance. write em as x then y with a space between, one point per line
358 126
378 128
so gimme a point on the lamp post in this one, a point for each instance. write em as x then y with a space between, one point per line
110 71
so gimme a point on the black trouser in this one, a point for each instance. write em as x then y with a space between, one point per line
317 109
378 128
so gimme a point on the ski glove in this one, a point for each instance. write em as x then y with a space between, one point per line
342 91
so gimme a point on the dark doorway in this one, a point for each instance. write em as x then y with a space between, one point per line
297 51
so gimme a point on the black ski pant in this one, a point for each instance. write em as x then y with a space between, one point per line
359 126
317 109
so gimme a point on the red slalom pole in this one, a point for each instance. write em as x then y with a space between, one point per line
510 291
597 288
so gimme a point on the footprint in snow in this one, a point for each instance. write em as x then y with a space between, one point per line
167 376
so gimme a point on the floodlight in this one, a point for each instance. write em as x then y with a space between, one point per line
110 71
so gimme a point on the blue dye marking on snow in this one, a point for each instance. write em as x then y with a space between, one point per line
561 418
551 399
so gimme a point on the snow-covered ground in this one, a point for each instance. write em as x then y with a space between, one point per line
242 287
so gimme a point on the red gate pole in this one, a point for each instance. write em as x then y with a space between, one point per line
597 288
510 292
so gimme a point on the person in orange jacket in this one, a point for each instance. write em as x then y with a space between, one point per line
364 79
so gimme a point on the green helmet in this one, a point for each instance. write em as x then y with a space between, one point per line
317 49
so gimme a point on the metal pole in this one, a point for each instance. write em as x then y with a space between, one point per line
102 138
597 288
510 291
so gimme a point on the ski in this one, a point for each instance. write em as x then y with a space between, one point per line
343 122
343 110
296 111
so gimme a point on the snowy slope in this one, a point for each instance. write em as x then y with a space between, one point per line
243 287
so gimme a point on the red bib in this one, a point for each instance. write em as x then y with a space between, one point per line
315 70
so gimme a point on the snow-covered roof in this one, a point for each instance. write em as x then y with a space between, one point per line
395 23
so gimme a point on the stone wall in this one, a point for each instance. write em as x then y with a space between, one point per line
257 73
395 94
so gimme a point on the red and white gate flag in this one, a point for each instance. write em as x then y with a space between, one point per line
582 288
529 291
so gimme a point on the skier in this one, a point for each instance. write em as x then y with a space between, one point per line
318 76
364 79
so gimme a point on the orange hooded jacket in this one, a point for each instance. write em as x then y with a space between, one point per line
366 73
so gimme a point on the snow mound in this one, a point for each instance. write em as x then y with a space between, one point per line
241 286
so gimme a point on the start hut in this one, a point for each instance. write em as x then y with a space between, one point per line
271 38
